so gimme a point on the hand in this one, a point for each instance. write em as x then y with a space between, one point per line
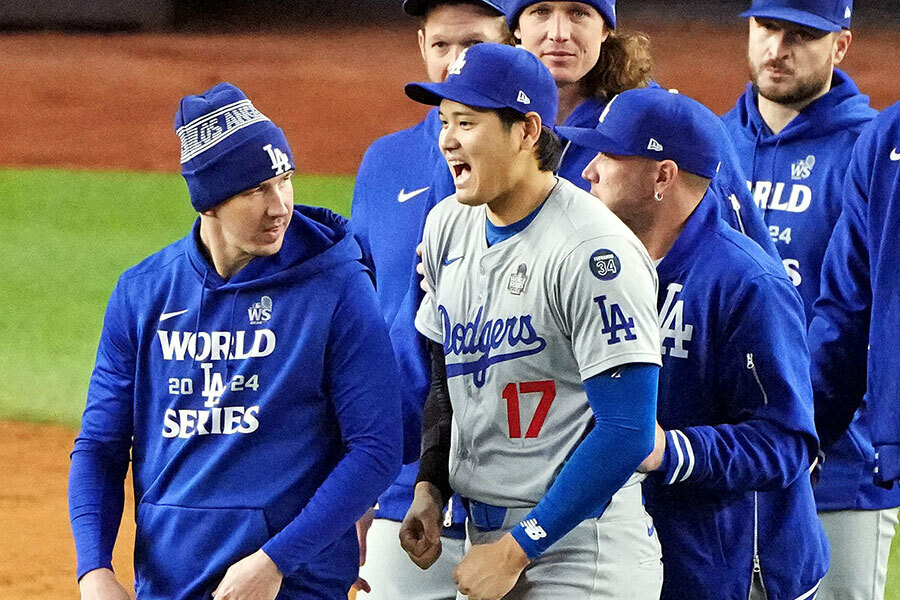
420 268
490 571
101 584
420 533
362 530
255 577
654 461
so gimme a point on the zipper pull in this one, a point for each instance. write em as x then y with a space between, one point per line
750 364
756 568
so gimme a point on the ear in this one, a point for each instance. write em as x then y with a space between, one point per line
606 32
532 130
841 45
665 176
517 36
421 36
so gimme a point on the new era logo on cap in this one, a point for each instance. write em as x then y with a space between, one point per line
848 13
654 145
523 98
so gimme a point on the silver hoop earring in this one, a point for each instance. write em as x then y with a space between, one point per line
657 196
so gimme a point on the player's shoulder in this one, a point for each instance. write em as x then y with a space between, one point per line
738 258
160 261
406 144
580 217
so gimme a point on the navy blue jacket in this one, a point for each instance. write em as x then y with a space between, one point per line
401 177
737 208
733 493
796 177
859 306
260 412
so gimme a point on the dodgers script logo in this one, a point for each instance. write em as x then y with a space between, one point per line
482 338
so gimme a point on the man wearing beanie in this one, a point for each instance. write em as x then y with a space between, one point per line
794 129
246 372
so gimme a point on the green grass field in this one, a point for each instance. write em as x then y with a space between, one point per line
65 237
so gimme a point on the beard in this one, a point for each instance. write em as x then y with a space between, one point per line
803 87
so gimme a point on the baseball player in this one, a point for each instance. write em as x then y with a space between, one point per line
545 348
852 335
592 61
794 128
729 490
401 177
246 372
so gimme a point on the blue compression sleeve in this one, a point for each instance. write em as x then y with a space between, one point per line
96 500
623 435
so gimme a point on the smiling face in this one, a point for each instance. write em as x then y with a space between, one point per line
791 63
252 223
566 36
451 28
485 157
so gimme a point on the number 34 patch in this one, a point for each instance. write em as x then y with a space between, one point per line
605 265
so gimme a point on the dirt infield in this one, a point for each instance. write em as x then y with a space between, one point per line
108 102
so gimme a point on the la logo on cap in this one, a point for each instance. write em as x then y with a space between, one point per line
458 65
654 145
523 98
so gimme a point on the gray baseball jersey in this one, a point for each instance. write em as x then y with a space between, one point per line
523 324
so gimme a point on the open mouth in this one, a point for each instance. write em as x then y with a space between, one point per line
461 172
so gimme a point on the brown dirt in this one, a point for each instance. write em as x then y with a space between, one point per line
109 101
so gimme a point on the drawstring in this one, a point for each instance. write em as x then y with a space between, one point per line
197 323
231 336
772 178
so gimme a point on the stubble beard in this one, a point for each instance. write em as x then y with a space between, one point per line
803 88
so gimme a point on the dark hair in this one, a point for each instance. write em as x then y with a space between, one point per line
548 149
625 63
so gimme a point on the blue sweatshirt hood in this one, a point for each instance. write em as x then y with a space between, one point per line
843 107
316 240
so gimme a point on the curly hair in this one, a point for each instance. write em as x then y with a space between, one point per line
625 63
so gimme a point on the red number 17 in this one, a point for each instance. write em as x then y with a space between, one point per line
511 395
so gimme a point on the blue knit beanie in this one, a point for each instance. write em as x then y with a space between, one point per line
227 146
513 9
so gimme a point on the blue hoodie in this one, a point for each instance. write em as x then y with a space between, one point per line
260 412
856 320
401 177
737 204
732 500
796 177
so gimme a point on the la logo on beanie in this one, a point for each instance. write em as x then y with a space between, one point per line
281 163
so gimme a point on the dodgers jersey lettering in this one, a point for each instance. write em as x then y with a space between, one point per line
523 324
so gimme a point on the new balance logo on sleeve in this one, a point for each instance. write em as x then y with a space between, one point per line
533 530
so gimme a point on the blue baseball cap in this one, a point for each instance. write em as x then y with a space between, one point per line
418 8
826 15
656 124
606 8
492 75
